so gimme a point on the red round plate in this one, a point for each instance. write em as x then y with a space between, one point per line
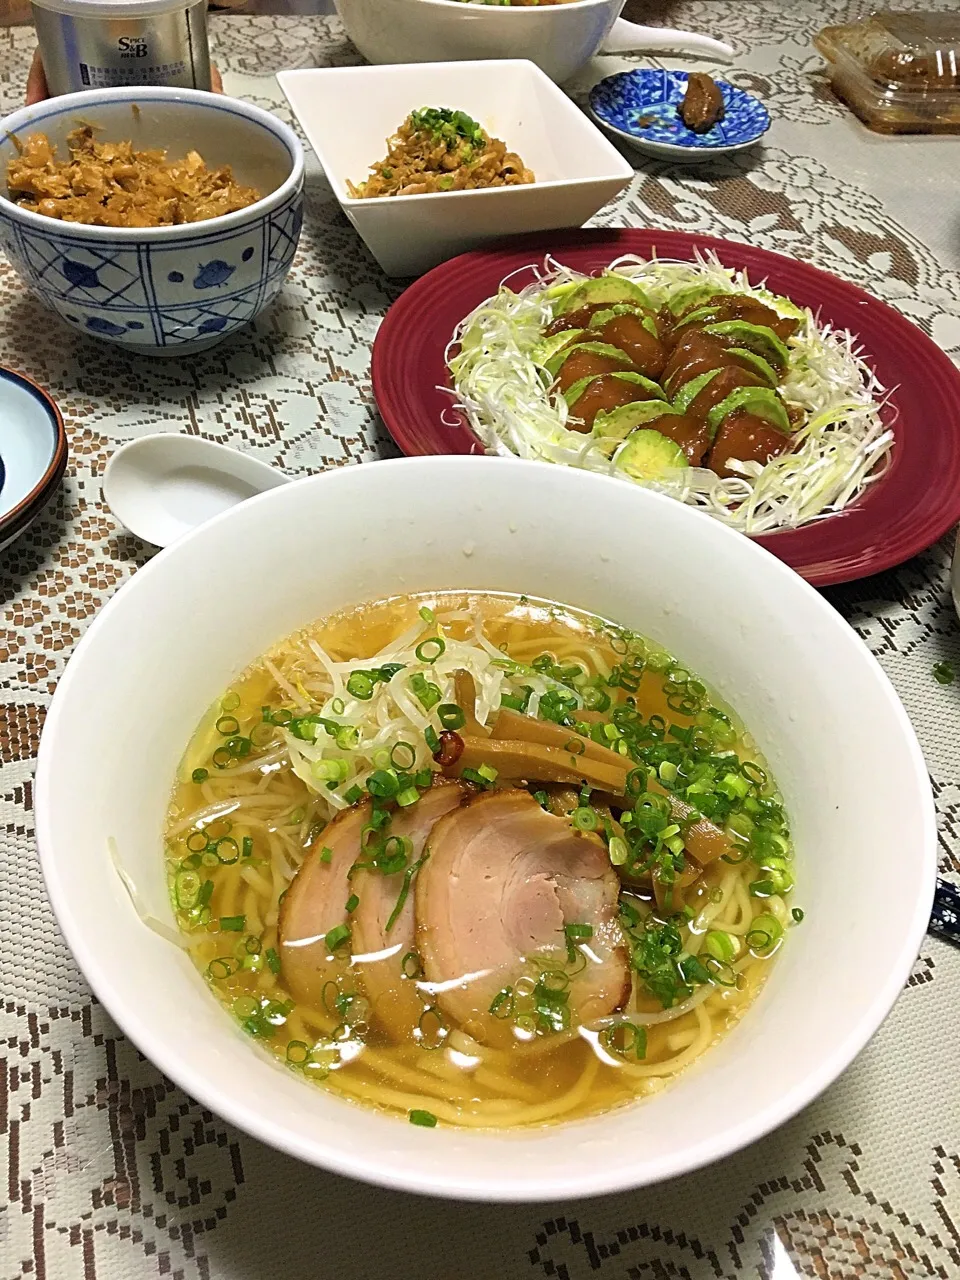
915 503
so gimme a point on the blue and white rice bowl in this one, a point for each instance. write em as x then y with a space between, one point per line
641 106
33 453
162 290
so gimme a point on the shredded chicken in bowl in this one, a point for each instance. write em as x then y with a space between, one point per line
109 184
436 149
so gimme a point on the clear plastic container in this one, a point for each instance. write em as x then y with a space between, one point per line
900 72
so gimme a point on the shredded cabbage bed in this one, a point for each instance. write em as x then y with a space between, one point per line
842 447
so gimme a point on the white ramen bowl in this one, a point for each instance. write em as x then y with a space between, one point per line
559 38
818 704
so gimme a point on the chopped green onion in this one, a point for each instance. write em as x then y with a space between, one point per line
578 930
943 673
618 850
353 795
228 726
360 686
233 924
297 1052
222 967
517 701
196 841
383 784
765 931
762 888
246 850
408 875
451 716
407 797
273 960
426 693
427 614
200 775
488 773
230 701
722 946
412 965
431 738
337 936
426 1119
326 854
430 650
584 818
502 1005
797 914
352 903
625 1039
403 756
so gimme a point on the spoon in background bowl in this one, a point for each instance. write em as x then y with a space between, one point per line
162 486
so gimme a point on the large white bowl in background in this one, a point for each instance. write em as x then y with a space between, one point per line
162 290
821 709
348 113
559 38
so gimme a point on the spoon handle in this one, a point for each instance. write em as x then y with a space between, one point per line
629 37
945 917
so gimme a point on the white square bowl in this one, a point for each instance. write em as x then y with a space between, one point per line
348 113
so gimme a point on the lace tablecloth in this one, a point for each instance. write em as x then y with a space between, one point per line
111 1173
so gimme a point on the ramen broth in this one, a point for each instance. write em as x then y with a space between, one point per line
262 778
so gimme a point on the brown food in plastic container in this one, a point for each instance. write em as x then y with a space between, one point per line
899 72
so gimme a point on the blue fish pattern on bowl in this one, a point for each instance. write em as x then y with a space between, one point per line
621 101
155 295
179 289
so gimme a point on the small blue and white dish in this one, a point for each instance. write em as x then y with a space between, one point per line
33 445
642 107
162 290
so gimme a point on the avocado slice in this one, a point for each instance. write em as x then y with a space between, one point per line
573 393
755 337
757 364
548 347
618 423
690 390
647 455
604 289
761 401
552 365
689 294
700 316
600 318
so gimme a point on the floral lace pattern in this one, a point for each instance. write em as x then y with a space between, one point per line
109 1171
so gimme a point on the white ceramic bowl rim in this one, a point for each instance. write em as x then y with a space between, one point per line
22 514
32 117
518 8
136 1021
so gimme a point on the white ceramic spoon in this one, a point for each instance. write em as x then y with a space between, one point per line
162 486
630 37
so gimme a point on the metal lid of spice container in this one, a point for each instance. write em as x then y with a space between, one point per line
100 44
112 8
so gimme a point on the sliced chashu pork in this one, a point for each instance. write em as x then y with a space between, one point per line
502 881
378 951
316 902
